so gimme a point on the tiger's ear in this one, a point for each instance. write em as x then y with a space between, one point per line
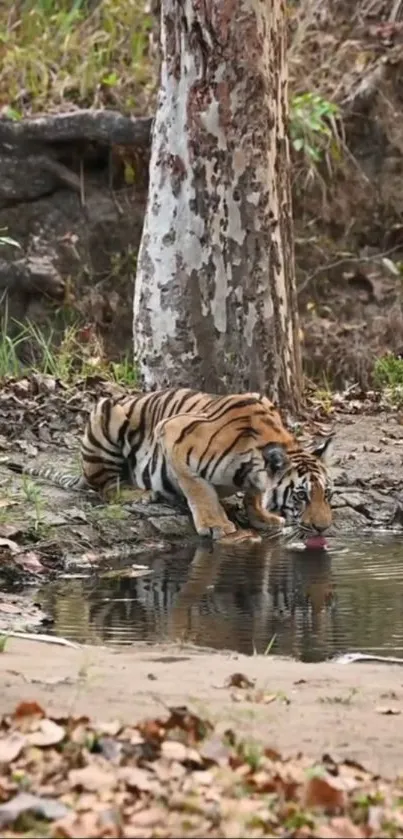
324 450
275 457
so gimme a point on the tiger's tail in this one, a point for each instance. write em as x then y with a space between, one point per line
54 476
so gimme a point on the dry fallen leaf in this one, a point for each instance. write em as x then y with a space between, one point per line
7 530
324 791
341 828
10 608
28 709
239 680
29 560
149 817
214 749
384 709
24 802
262 697
136 778
111 727
203 777
172 750
92 778
11 746
48 733
8 543
194 727
7 502
87 825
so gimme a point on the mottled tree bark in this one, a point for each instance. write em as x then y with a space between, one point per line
215 302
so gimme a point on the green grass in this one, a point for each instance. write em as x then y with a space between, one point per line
68 360
251 753
82 52
388 371
388 377
270 645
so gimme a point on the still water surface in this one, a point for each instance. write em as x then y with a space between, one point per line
308 605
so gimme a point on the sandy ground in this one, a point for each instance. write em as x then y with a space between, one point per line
350 711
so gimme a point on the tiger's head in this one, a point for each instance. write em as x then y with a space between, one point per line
303 493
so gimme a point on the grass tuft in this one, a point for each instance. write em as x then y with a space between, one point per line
3 643
85 53
388 371
78 355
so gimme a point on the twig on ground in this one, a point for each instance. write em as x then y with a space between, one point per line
45 639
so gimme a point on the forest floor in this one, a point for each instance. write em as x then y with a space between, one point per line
159 756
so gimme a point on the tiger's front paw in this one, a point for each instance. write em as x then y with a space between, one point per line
241 536
275 521
269 522
216 531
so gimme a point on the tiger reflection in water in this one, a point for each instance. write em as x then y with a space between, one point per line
229 597
239 599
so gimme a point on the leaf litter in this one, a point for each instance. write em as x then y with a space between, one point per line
178 776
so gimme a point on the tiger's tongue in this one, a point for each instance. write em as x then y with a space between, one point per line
315 542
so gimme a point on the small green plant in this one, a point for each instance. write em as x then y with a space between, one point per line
124 373
363 802
324 397
270 645
10 364
34 496
370 799
31 490
339 700
313 128
251 753
112 512
297 819
316 771
3 643
388 371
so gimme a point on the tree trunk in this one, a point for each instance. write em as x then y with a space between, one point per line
215 301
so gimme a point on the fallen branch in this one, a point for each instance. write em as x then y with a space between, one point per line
105 127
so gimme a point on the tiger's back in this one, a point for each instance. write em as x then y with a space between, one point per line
214 434
119 442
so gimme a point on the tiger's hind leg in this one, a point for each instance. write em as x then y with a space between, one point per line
209 517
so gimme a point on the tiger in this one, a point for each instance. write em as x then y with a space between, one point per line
186 444
303 492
